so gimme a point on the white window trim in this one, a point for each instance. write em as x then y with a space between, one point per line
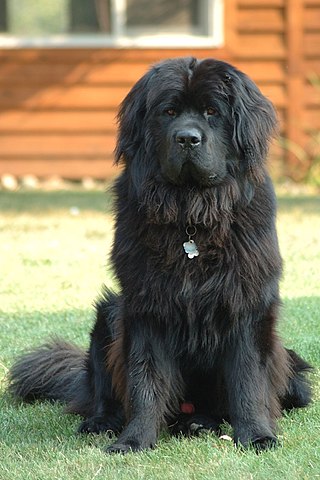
215 38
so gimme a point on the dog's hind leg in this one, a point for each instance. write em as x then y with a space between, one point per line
107 411
298 392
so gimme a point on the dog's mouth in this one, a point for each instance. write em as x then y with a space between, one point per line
190 175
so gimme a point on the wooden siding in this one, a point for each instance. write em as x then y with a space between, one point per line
58 106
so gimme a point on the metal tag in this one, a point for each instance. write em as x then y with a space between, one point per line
191 249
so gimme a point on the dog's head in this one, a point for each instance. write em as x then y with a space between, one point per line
195 122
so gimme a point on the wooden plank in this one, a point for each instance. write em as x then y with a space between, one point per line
36 73
311 119
294 14
62 97
295 82
231 26
77 146
311 18
312 3
82 74
93 56
281 112
66 168
118 72
64 121
261 46
260 20
311 67
311 95
263 71
311 44
261 3
276 93
69 56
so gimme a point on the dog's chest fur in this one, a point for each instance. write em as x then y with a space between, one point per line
238 252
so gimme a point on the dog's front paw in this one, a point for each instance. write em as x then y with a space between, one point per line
97 425
121 448
264 443
259 442
129 446
194 425
260 437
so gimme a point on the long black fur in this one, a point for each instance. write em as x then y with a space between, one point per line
193 139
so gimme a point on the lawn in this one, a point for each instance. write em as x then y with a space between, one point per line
54 255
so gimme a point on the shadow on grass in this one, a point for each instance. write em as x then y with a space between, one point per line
42 202
308 204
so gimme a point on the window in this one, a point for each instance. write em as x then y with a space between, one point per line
111 22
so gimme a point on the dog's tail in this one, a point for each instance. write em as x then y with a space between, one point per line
54 371
60 370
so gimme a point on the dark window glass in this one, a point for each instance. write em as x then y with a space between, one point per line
3 16
180 14
90 16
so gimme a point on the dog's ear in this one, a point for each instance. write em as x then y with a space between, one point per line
255 122
131 120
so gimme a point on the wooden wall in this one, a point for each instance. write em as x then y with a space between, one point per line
58 106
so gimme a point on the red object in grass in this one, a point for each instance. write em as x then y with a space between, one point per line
187 407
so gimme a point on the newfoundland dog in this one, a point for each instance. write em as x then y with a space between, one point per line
190 339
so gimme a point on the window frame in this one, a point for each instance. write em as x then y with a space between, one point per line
214 9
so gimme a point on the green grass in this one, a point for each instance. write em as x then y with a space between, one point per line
53 261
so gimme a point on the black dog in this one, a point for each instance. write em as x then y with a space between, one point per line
196 255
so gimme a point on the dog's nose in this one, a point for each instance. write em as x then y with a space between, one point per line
188 138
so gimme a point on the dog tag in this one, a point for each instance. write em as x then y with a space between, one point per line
191 249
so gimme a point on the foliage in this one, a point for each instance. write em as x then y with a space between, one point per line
306 167
32 17
308 159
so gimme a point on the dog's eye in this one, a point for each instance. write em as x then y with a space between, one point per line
211 111
171 112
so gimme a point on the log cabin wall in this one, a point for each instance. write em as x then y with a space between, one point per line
58 105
